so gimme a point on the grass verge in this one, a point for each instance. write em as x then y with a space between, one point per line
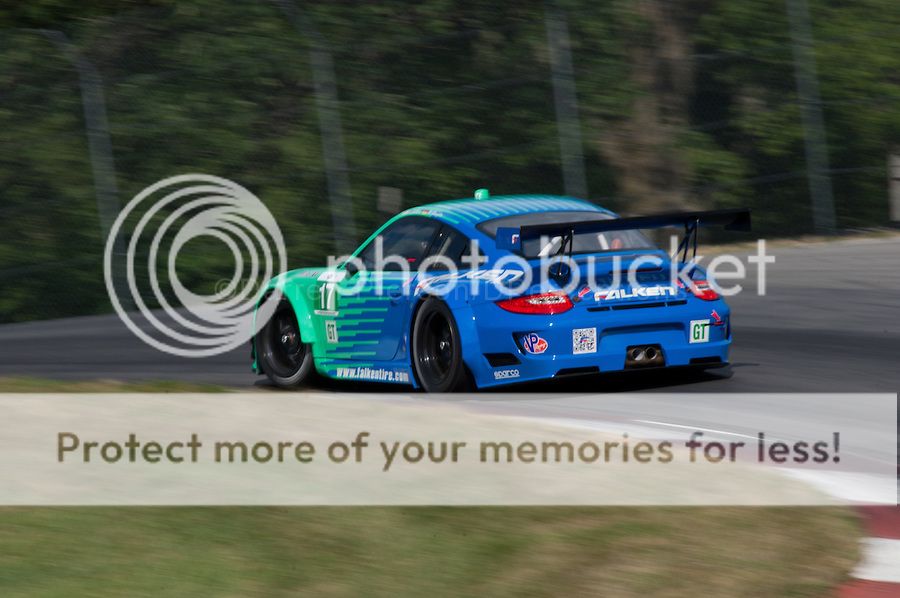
424 551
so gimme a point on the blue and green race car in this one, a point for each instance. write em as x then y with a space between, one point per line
476 293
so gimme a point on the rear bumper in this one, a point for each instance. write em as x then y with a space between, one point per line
500 343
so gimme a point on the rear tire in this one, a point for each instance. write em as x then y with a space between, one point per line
437 350
280 350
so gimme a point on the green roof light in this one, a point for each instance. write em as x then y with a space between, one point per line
482 194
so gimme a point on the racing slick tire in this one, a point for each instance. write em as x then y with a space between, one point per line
437 350
281 353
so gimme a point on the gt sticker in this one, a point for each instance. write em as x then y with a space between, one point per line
331 332
504 374
534 344
699 331
584 340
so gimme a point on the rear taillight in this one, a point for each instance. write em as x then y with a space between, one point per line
702 290
544 304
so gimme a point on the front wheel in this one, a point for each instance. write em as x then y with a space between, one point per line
280 350
437 350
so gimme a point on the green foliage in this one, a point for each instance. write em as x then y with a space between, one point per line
752 87
437 98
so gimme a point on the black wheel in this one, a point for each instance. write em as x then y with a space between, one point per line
436 349
280 351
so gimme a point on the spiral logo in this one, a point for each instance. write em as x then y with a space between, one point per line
157 225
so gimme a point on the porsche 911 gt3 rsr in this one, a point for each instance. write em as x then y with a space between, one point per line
477 293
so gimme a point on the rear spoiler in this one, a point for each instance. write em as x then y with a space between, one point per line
738 219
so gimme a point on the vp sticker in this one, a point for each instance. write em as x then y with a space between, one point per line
534 344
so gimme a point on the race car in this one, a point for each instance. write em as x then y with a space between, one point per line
476 293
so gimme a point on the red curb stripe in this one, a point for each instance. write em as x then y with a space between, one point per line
882 522
869 589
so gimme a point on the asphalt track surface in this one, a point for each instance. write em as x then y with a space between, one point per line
829 322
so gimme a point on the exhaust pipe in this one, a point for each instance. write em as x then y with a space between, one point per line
644 356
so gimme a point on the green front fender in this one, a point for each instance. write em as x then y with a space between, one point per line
299 287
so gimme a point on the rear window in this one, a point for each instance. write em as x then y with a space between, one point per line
452 245
619 240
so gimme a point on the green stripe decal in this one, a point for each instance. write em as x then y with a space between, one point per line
354 343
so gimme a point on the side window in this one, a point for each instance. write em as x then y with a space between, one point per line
408 238
453 245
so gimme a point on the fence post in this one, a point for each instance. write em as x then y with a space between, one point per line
815 140
100 149
566 101
894 185
390 200
328 109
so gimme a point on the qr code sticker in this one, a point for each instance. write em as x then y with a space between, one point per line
584 340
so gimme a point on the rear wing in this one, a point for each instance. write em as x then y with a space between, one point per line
738 219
